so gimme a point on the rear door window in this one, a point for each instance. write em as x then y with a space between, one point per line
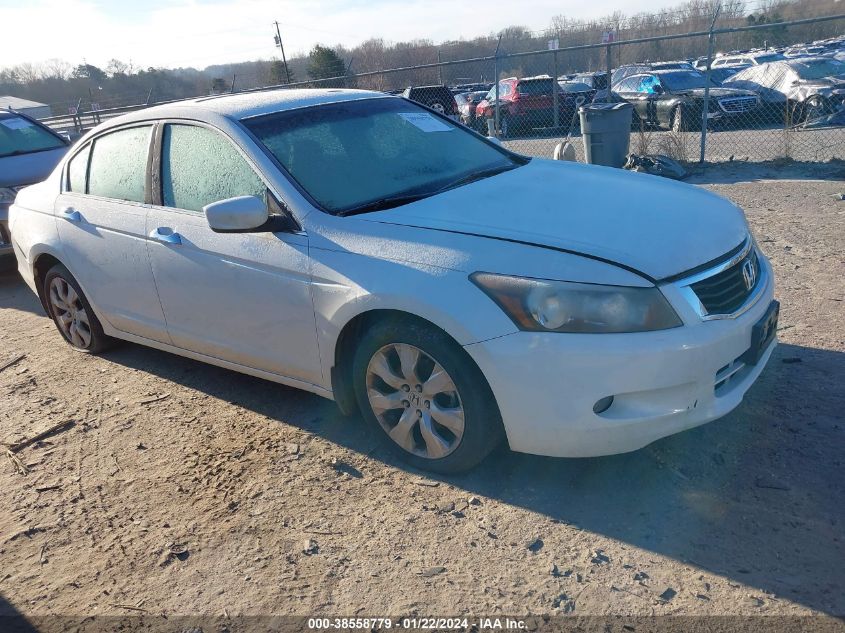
118 166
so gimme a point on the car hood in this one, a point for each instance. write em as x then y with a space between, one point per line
654 226
27 169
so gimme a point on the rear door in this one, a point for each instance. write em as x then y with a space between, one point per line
101 216
647 96
627 89
239 297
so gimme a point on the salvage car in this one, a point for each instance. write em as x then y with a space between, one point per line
467 103
526 103
28 153
802 89
364 248
439 98
675 99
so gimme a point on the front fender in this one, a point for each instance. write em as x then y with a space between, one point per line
346 285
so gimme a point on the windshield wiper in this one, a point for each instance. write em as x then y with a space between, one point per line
390 202
387 202
476 175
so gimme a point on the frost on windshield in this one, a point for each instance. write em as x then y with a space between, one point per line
119 164
199 167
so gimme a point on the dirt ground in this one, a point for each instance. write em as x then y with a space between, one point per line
188 489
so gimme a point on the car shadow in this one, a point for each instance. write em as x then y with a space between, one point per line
740 171
16 295
755 496
12 620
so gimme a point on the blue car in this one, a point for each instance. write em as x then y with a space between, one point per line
28 153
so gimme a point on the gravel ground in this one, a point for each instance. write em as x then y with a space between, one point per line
188 489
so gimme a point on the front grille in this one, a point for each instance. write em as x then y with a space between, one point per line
738 104
725 292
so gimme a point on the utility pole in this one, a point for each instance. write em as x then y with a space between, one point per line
281 46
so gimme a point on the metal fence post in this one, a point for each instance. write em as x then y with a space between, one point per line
555 90
439 68
496 84
706 109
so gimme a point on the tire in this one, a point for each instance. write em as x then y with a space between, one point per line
72 314
438 107
814 108
391 357
680 121
505 126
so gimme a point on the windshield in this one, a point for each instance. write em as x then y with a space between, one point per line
765 59
349 155
683 80
21 136
819 68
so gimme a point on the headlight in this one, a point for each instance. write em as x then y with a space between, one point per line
540 305
7 195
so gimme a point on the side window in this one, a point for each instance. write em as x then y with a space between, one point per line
199 166
629 84
77 170
119 164
647 83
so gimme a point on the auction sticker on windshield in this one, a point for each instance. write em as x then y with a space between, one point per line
425 121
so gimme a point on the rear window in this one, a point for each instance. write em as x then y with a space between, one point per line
19 135
574 86
535 87
437 97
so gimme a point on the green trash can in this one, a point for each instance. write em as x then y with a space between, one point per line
606 129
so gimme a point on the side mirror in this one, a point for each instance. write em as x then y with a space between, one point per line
236 215
658 89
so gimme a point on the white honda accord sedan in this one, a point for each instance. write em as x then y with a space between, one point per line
361 247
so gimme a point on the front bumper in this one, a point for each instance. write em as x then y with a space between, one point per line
546 384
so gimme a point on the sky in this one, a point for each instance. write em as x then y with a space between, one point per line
199 33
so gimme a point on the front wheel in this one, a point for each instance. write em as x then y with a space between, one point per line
814 108
681 120
425 397
72 313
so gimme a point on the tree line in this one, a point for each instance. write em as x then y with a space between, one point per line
63 85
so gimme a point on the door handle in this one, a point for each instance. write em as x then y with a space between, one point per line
166 236
70 214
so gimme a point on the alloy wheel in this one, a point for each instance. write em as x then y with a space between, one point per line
415 401
70 314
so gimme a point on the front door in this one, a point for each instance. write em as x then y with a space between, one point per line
101 217
240 297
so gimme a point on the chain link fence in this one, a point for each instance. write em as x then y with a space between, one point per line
695 96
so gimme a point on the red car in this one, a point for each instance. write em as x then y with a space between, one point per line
526 103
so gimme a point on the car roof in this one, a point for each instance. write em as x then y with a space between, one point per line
244 105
